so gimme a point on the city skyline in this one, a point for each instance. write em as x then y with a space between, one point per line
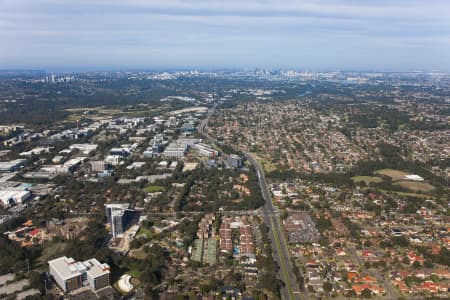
309 35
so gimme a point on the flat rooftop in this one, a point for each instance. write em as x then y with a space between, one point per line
68 268
65 267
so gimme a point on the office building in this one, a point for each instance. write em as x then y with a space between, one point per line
234 161
98 274
120 217
206 150
99 166
71 275
176 150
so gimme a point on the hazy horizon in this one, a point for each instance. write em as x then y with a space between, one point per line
316 35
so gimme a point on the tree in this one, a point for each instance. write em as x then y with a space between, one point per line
443 257
36 280
401 241
270 282
428 264
13 257
327 286
367 243
406 260
366 293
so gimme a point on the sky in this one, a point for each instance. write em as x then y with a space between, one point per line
379 35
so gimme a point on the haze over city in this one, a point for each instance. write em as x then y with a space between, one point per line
218 150
404 35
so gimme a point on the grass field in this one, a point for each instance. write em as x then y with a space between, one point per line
269 166
422 196
134 273
100 109
394 174
135 281
74 117
154 189
146 231
367 179
138 254
415 186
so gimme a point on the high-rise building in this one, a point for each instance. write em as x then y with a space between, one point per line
120 217
234 161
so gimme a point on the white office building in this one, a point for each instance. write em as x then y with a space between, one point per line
71 275
175 150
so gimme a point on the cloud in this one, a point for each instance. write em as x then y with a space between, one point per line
40 32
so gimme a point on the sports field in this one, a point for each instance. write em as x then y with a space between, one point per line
415 186
393 174
367 179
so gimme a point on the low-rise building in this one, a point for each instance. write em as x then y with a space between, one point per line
206 150
10 197
86 149
175 150
12 165
36 151
99 166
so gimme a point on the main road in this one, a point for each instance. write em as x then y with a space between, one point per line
204 123
290 289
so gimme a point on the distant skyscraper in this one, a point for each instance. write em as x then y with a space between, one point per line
120 217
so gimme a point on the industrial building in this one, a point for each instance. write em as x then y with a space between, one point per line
10 197
12 165
86 149
123 152
68 167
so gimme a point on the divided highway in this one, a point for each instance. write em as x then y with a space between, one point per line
291 289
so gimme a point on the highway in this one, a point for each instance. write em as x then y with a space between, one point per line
204 123
291 289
